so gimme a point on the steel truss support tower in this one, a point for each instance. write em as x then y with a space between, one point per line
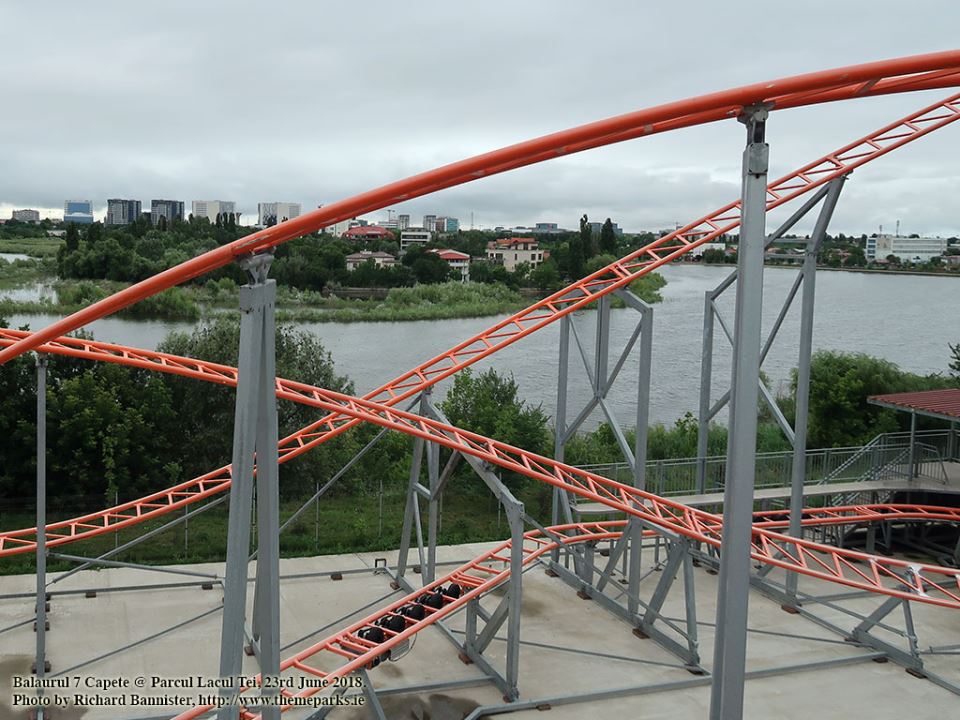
255 431
828 195
508 611
804 284
602 378
726 700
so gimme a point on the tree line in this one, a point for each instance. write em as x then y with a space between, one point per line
119 433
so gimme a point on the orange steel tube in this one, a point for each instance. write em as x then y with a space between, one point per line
132 513
799 555
884 77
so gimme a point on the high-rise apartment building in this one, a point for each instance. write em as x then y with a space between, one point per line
78 211
414 236
170 210
430 222
447 224
271 213
209 209
26 216
122 212
403 222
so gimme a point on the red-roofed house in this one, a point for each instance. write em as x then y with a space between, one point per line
457 260
510 252
368 232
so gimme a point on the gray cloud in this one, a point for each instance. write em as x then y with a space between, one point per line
313 102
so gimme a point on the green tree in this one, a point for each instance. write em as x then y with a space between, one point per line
711 256
857 258
205 410
72 238
427 267
608 238
546 276
489 404
577 252
955 362
840 384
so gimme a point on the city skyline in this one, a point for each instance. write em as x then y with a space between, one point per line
500 86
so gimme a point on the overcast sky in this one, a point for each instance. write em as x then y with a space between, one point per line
312 102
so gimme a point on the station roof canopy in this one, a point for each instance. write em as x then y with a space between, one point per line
942 404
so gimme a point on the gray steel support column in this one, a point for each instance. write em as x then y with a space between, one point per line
640 453
602 347
41 600
433 474
266 612
560 422
411 513
726 701
802 399
706 381
515 518
911 462
254 301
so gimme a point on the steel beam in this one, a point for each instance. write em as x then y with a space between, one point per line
802 398
411 512
726 701
433 507
266 608
257 301
41 596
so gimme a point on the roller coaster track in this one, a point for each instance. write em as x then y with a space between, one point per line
929 584
372 640
802 556
576 296
910 74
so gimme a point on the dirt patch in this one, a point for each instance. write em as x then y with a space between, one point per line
19 665
432 707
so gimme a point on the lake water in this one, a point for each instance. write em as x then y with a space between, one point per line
903 318
10 257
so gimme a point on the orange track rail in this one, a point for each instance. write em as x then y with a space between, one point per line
617 275
802 556
909 74
842 566
346 651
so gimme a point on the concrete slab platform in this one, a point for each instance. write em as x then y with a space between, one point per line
569 646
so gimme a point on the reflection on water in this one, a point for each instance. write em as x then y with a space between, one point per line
906 319
34 292
10 257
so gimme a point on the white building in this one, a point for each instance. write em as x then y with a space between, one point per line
380 259
271 213
906 249
701 249
458 261
403 221
510 252
414 236
26 216
209 209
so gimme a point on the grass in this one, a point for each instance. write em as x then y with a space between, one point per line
20 272
192 302
344 523
72 295
39 247
423 302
